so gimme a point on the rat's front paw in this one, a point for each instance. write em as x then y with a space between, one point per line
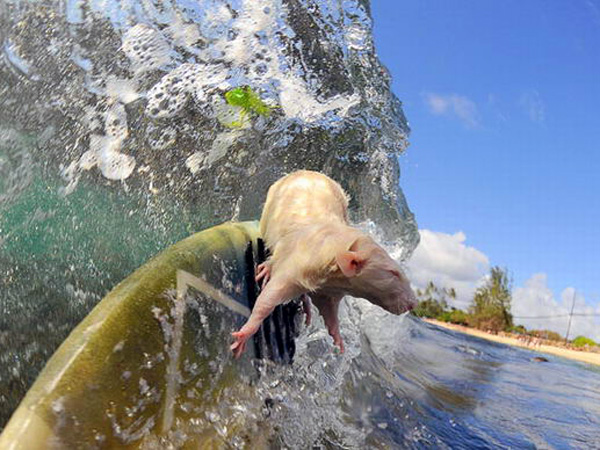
241 337
239 345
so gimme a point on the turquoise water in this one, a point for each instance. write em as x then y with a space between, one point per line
59 255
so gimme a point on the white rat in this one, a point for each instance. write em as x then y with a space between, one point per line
314 251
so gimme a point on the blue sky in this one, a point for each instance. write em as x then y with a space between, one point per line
502 99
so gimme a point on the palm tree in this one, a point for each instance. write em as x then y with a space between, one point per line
491 303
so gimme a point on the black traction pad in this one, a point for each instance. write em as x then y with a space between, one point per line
276 338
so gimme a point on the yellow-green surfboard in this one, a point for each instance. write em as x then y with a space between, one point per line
150 356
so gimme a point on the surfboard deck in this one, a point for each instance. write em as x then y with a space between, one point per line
140 361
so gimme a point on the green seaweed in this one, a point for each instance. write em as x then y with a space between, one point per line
245 98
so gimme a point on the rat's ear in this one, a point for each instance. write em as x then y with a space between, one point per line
350 263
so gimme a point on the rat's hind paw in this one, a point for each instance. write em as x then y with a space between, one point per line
337 340
306 307
263 272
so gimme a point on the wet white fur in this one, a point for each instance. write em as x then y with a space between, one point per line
305 224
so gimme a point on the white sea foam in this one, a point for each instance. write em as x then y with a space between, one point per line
147 48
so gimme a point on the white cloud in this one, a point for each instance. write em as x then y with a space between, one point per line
446 260
531 102
535 299
453 105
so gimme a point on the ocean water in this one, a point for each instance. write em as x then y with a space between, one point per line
116 141
403 383
421 386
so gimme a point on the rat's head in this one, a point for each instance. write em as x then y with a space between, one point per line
372 274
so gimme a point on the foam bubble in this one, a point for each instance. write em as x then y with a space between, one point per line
184 34
146 48
115 122
253 28
171 93
298 102
104 153
94 119
116 166
195 162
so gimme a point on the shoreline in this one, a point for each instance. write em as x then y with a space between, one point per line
581 356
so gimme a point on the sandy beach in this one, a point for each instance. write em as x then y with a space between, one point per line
587 357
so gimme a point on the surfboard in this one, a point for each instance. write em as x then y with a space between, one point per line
138 364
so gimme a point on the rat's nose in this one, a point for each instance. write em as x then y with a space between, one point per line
411 298
400 305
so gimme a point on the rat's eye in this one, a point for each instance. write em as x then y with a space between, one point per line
396 273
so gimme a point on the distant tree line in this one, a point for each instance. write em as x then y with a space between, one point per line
489 309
